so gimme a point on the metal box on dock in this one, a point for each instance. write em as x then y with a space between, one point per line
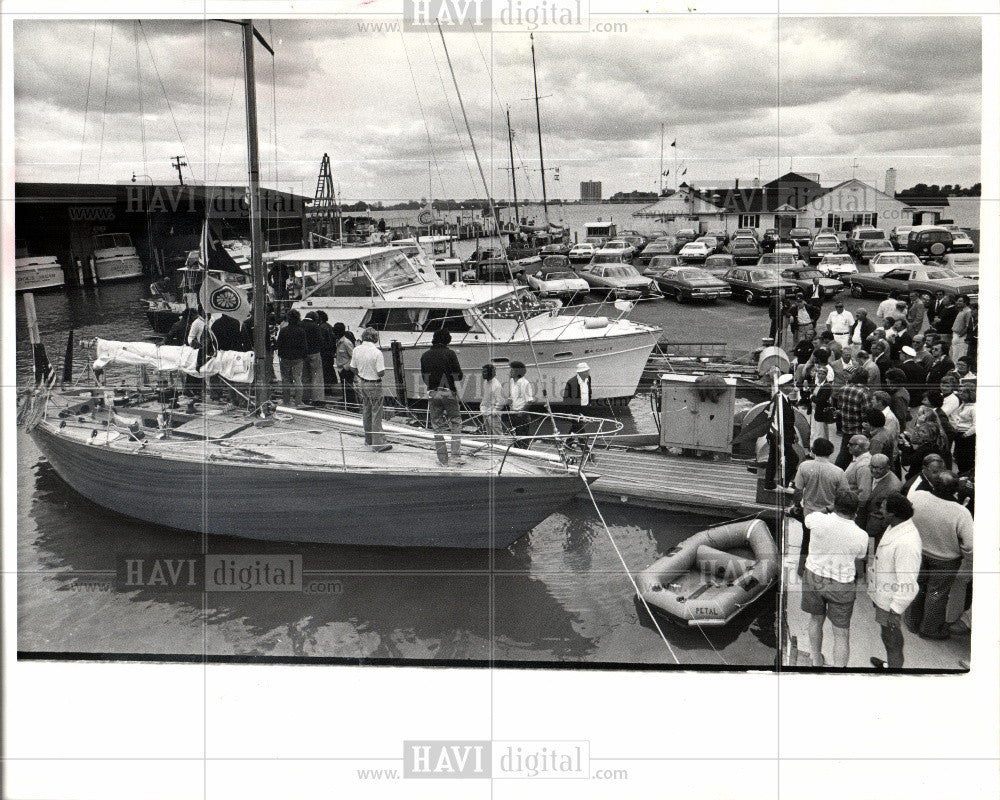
696 416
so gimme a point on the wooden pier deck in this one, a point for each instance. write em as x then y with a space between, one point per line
681 483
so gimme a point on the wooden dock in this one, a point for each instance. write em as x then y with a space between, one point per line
654 479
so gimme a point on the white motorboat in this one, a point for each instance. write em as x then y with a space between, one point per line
380 287
34 273
115 258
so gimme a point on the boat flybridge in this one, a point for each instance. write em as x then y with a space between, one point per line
380 287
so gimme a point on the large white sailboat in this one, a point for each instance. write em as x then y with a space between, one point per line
380 287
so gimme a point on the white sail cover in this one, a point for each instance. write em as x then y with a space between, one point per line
232 365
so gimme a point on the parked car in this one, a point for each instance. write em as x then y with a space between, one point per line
834 266
721 236
965 264
751 232
801 237
961 242
898 236
822 245
861 234
868 248
778 260
691 283
637 240
929 241
661 247
826 232
788 249
769 239
620 246
602 258
560 282
714 242
803 278
719 264
554 250
927 280
884 262
755 285
745 249
621 280
695 251
582 253
660 263
685 235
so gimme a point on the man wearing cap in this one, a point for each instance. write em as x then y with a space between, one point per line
578 389
839 323
781 450
369 365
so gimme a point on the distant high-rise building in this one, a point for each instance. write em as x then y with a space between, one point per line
590 191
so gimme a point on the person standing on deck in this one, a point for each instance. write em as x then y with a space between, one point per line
291 353
312 373
342 362
578 391
836 544
440 370
522 394
492 401
892 584
368 365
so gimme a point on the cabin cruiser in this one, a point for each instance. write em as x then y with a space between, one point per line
115 258
380 287
33 273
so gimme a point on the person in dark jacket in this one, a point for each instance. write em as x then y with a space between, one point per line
177 335
313 391
291 355
226 331
328 351
440 371
785 445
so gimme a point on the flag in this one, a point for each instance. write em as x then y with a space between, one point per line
203 246
222 298
673 143
666 173
685 172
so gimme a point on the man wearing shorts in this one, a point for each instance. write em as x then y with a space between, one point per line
828 592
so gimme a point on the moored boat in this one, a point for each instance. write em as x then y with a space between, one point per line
710 577
115 258
34 273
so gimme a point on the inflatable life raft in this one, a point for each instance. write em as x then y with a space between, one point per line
702 581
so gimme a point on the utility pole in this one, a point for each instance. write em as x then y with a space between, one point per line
176 161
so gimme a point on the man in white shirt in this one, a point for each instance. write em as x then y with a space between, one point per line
886 309
839 323
492 400
892 582
369 366
522 394
835 544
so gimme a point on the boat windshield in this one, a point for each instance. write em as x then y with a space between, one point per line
106 241
516 305
385 272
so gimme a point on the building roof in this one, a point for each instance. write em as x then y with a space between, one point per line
923 200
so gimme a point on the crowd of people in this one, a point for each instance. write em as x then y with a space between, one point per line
885 483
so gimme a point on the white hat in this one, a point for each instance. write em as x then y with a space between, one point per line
909 351
582 367
786 378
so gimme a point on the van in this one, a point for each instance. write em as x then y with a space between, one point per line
929 240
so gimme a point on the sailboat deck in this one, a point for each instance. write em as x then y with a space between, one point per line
295 442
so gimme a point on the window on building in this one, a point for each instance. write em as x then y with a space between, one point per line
818 222
835 221
749 221
866 219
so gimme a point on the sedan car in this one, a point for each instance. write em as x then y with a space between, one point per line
685 235
769 240
554 250
884 262
835 266
561 283
719 264
752 232
660 263
691 283
824 244
582 253
619 246
926 280
778 260
661 247
803 277
754 284
714 242
745 250
695 251
960 241
866 249
621 280
965 264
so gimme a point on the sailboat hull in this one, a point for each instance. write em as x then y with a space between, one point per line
326 506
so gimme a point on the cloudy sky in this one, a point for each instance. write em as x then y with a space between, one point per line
741 96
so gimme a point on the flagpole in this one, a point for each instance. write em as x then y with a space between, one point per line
661 159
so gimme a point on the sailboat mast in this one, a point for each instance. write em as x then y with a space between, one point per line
513 177
538 120
661 158
256 261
